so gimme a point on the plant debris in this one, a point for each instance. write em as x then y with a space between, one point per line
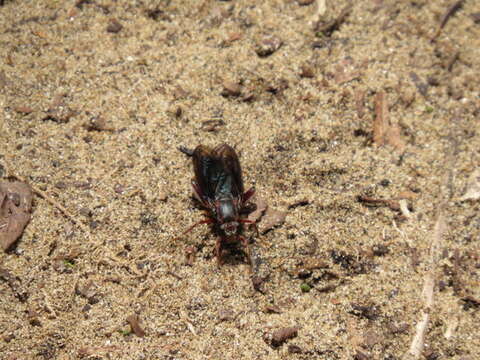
271 219
134 322
369 201
15 207
327 28
213 125
305 2
272 309
448 14
473 187
281 335
360 103
261 206
14 284
23 109
385 131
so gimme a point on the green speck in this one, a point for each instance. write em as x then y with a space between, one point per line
305 287
124 332
319 34
429 109
68 263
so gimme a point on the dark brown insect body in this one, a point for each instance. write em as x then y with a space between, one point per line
218 186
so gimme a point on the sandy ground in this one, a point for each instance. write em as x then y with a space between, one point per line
96 96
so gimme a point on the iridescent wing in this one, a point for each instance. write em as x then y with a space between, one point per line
232 180
208 171
217 172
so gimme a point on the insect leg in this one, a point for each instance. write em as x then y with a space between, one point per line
248 194
251 222
186 151
218 251
246 246
206 221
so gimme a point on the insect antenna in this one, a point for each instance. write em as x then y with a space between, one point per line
186 151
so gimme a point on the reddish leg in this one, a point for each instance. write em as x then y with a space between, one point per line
218 251
248 194
253 223
244 241
206 221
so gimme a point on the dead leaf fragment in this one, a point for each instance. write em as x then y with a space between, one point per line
473 187
14 284
261 206
369 201
394 139
234 36
272 309
15 206
134 322
305 2
384 131
271 219
360 103
23 109
407 195
212 125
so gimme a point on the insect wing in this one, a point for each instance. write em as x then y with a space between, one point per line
229 163
207 171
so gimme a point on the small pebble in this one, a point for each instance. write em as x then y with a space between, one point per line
283 334
162 196
306 71
231 88
61 185
268 45
114 26
294 349
119 188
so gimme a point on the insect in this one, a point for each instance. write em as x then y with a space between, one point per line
218 187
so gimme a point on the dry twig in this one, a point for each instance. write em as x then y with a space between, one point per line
52 201
384 130
418 341
448 14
